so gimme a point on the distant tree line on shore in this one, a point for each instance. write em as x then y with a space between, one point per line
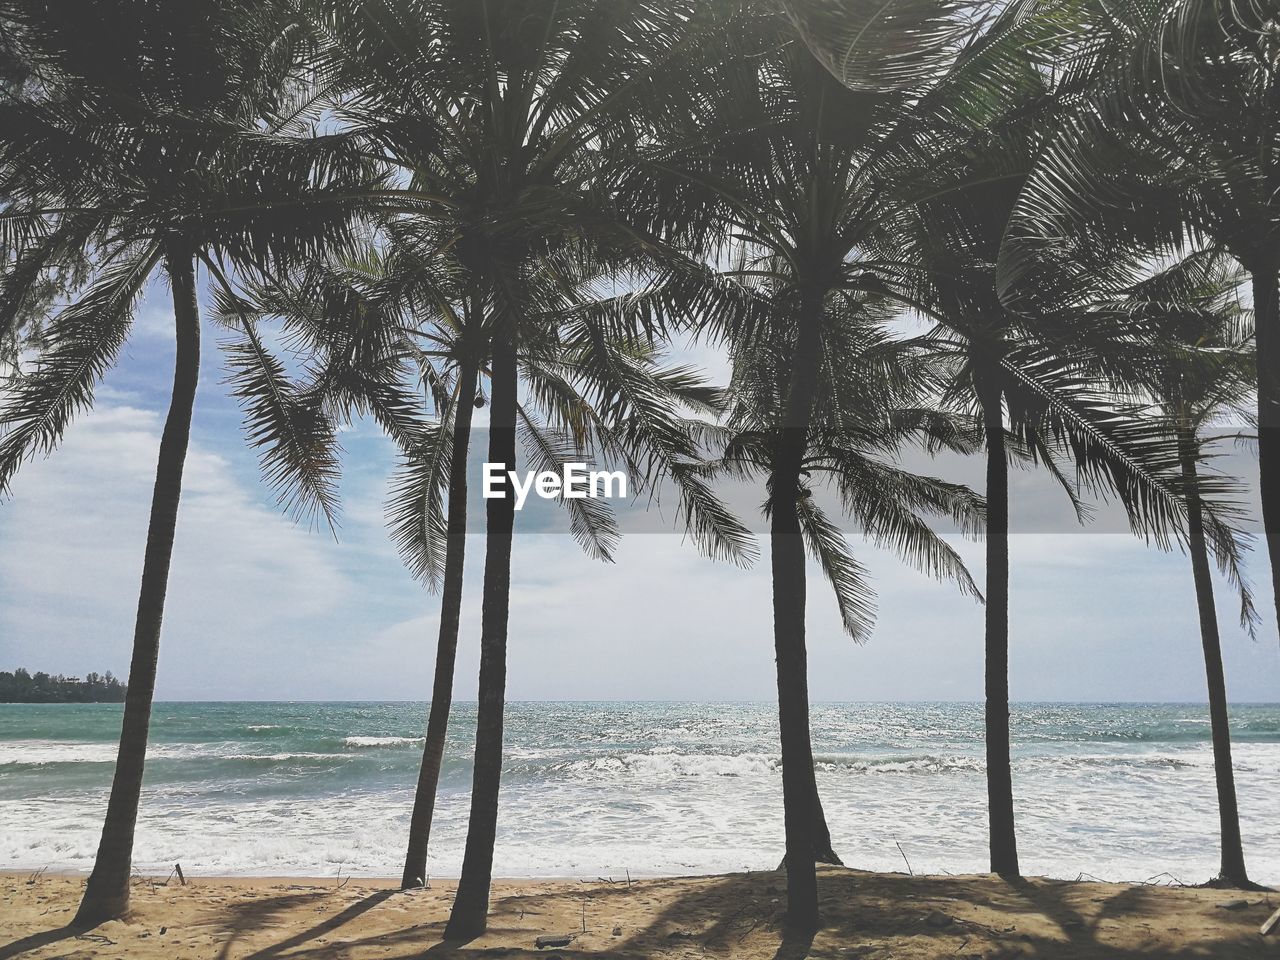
21 686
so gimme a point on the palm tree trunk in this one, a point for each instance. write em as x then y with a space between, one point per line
787 555
822 850
424 801
106 895
820 833
786 550
1003 840
471 905
1266 318
1232 869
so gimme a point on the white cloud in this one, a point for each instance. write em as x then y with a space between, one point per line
75 532
154 317
260 608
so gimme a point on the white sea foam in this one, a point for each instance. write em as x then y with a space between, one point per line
668 765
40 752
45 752
650 789
381 741
278 757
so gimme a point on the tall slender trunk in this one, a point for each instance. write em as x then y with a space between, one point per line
471 905
1232 869
1266 319
106 895
424 801
1003 840
786 550
821 833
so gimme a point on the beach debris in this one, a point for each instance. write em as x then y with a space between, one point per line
910 872
36 876
137 878
163 931
617 931
177 868
1165 880
554 941
1272 923
96 938
1232 905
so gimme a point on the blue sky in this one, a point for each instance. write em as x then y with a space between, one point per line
260 608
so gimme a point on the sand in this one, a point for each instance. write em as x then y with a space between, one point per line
865 915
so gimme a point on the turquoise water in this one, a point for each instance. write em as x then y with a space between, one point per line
1120 792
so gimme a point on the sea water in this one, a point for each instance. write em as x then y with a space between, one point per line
1120 792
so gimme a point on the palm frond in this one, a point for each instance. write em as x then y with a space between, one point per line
416 507
848 578
591 522
287 424
80 345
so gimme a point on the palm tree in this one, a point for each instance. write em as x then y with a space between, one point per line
866 407
969 79
1207 380
161 138
1051 385
776 168
587 391
953 237
844 167
419 506
502 116
1178 140
379 318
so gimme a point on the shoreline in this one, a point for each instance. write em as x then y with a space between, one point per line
299 790
161 877
872 915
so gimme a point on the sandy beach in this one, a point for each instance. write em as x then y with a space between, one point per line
865 915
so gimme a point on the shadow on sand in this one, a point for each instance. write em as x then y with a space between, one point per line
863 916
873 916
261 914
35 941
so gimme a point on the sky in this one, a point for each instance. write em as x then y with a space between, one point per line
260 608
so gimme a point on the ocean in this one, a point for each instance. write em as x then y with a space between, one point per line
1118 792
